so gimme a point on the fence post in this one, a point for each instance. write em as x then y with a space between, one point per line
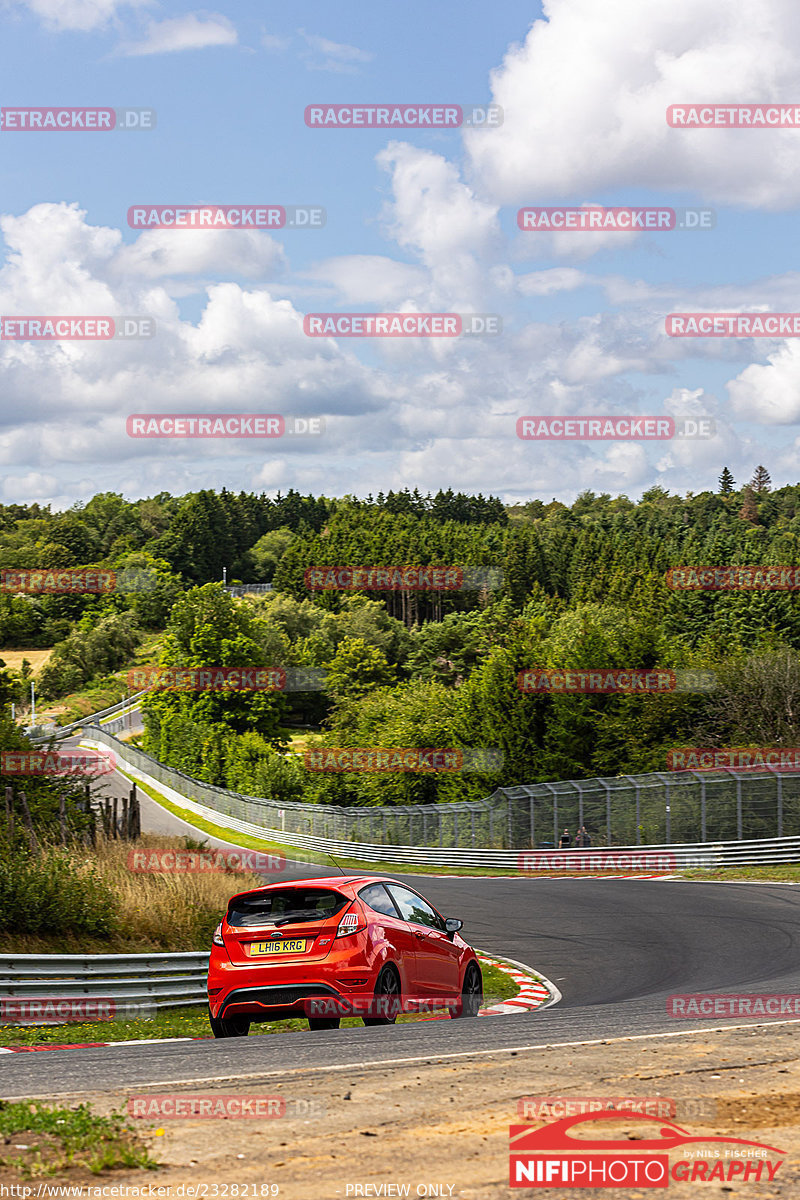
608 811
26 813
779 779
114 818
667 814
580 803
739 807
510 825
10 812
62 819
472 815
533 824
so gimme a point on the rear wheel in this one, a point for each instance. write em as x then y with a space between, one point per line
230 1027
386 1000
323 1022
471 993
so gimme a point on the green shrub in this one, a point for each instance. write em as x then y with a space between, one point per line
53 893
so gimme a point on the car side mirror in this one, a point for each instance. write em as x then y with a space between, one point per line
452 926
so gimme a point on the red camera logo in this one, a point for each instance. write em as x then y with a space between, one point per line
558 1156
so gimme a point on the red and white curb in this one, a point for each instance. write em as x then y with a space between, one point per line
533 992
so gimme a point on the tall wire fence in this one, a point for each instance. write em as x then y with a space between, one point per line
630 810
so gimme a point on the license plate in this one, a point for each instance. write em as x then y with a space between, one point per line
277 947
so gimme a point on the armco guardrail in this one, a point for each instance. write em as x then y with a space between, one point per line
62 731
133 981
660 809
661 858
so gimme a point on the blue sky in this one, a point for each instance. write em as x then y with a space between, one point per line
417 221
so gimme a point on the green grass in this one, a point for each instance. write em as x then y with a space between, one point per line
193 1022
37 1140
788 872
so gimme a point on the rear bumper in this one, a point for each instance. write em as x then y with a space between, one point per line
270 1002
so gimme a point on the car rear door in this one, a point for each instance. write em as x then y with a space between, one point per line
398 933
437 956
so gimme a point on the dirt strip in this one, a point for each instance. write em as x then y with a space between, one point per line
446 1126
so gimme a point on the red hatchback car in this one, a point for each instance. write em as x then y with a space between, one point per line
351 945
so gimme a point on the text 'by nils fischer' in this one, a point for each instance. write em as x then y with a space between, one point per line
63 120
75 329
226 216
222 425
608 428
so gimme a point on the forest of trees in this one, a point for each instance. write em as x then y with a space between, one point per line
575 586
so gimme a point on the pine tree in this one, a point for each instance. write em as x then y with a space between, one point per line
749 509
726 482
761 481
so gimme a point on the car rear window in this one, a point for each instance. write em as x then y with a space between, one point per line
378 899
285 906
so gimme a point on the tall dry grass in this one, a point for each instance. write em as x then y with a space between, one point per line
170 912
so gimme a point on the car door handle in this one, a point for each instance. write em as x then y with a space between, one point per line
418 933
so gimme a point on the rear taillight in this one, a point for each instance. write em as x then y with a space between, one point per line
217 937
351 922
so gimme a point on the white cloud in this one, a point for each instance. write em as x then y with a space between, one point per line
81 15
161 253
373 279
338 57
275 43
557 279
585 99
770 392
440 219
194 31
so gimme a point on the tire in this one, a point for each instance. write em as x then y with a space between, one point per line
323 1022
471 993
234 1027
387 987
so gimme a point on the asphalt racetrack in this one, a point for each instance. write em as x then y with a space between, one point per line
616 949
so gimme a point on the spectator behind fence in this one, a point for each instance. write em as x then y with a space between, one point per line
565 841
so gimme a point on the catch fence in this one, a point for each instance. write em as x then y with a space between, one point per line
632 810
